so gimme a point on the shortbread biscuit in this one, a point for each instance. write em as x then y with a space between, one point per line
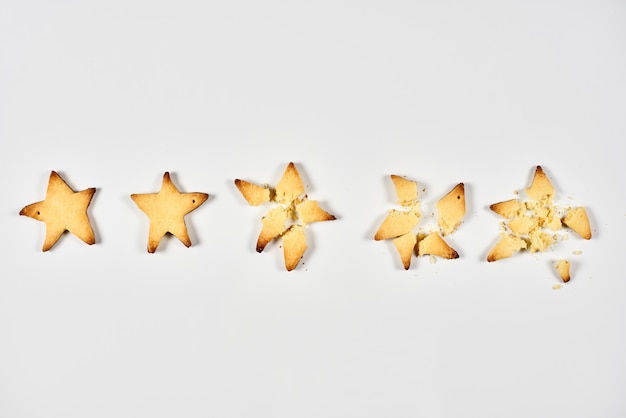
506 247
541 188
405 245
563 267
62 210
166 211
451 209
253 193
434 244
395 224
406 190
577 220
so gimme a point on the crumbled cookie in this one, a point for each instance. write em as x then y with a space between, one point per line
534 224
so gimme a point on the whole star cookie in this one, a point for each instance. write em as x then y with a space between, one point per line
62 210
166 210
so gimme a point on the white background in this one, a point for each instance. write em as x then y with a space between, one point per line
113 93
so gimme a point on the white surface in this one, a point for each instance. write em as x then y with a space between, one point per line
113 93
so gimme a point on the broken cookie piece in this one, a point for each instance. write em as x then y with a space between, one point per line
294 246
541 188
506 247
406 190
451 209
577 220
405 245
395 224
253 193
273 226
509 208
563 267
434 244
308 211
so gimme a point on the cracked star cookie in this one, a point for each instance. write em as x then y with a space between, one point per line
288 219
399 224
62 210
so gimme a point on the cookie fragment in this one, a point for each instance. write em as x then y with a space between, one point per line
434 244
253 193
509 208
406 190
290 186
451 209
541 188
405 245
395 224
294 246
506 247
577 220
308 211
273 226
563 267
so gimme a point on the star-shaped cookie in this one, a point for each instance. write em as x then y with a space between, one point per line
166 210
63 210
289 217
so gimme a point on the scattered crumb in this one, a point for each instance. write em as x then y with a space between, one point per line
433 260
557 287
578 252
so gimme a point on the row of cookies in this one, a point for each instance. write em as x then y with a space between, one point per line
525 222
